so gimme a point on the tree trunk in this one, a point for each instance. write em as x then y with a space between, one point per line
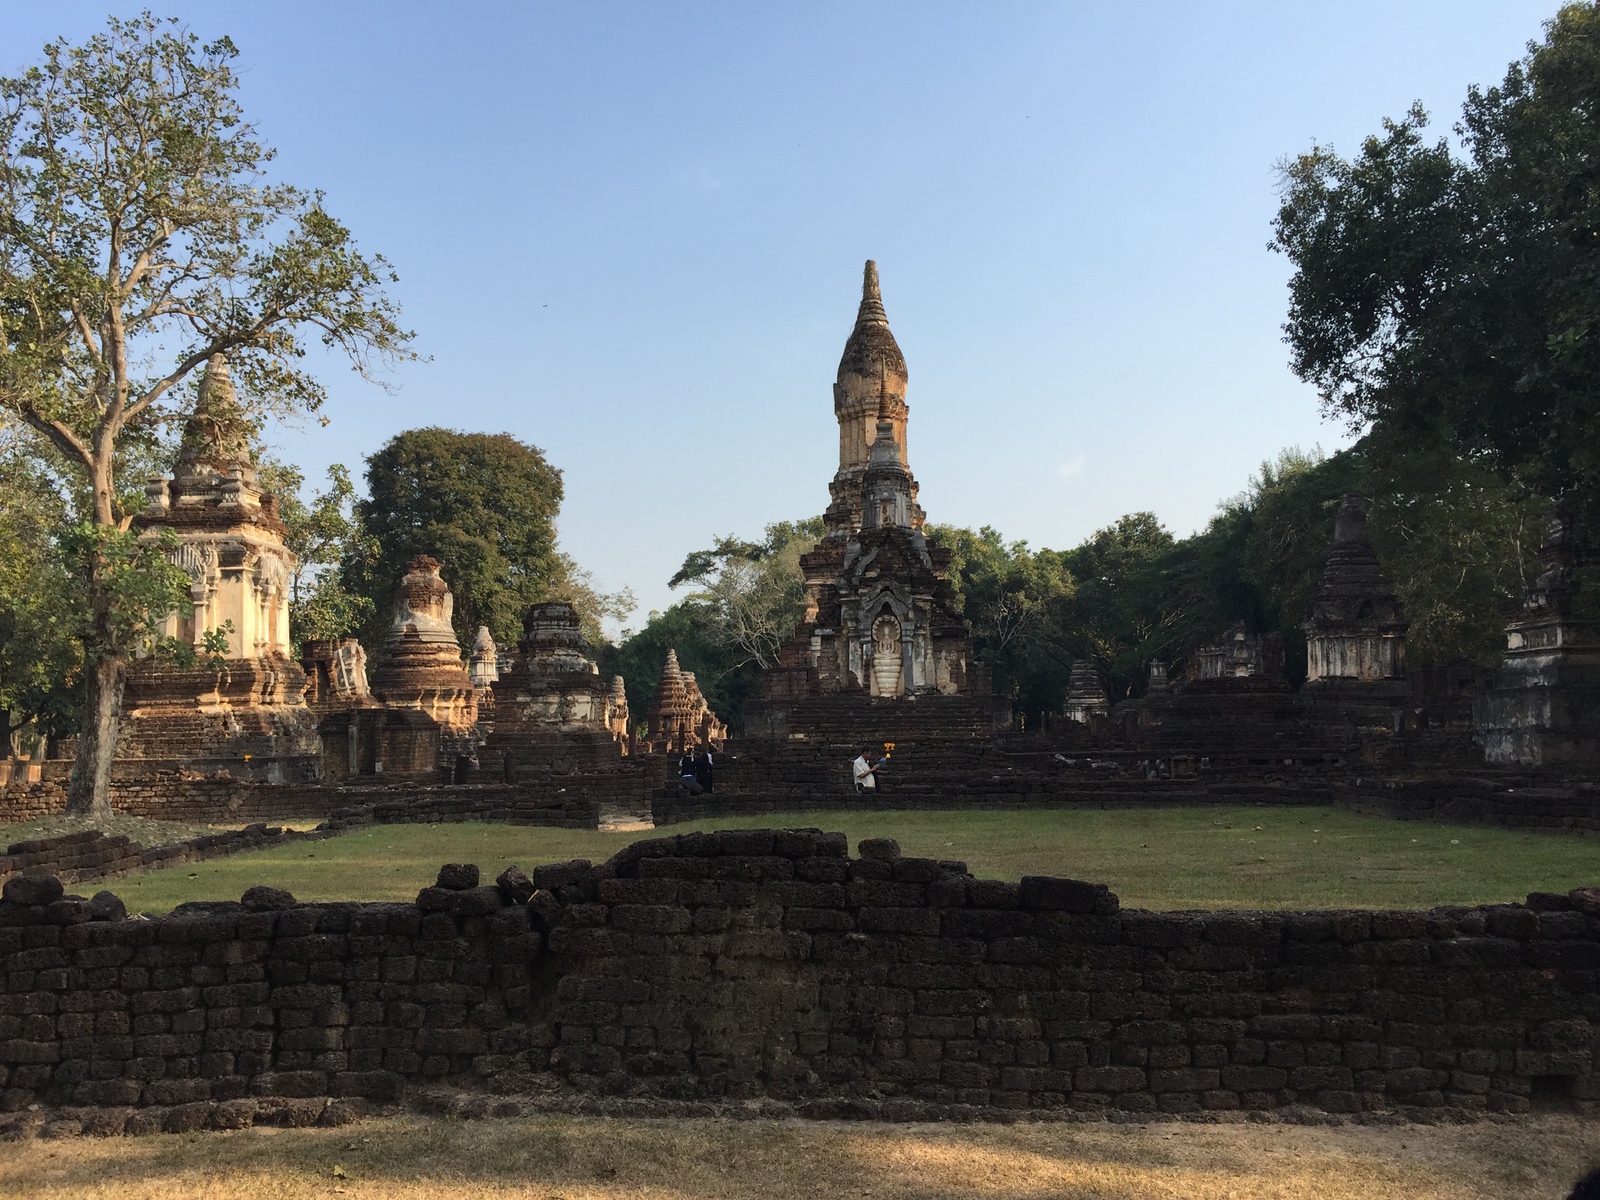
89 794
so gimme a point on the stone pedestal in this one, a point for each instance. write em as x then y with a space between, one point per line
1541 706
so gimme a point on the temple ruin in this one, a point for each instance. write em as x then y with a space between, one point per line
880 621
679 718
242 701
553 701
1541 706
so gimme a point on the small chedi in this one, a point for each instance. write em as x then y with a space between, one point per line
1086 692
422 674
484 667
241 708
880 620
1239 654
679 718
422 665
1356 631
484 664
552 702
1541 706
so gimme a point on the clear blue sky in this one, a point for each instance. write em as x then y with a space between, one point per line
632 234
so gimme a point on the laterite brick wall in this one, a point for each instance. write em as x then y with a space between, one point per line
768 963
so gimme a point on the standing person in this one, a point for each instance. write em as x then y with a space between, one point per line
702 768
863 771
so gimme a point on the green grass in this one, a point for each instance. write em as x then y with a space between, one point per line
1153 858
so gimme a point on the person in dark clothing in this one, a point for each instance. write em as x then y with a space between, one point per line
686 766
702 768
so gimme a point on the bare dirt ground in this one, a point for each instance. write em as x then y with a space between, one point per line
577 1158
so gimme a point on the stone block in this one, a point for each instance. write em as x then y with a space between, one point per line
32 890
457 877
1065 895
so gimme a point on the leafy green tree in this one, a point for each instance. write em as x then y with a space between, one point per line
40 658
752 594
322 534
1007 593
1450 301
484 505
139 236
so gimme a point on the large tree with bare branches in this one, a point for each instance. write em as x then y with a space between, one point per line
140 235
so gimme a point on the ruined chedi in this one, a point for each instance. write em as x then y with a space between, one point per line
241 707
552 703
679 718
880 618
1541 706
422 667
1356 631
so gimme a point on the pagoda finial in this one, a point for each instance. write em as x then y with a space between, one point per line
869 282
217 434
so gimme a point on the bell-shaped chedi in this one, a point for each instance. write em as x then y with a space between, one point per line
241 707
552 704
422 667
1356 632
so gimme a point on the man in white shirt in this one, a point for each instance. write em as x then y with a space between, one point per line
863 772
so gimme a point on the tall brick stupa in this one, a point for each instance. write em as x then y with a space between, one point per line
880 621
242 708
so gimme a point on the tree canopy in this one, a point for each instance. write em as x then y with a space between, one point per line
139 236
1444 296
484 505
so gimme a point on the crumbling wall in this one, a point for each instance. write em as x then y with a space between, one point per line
769 964
572 802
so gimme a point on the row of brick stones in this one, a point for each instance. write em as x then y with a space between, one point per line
262 1000
1573 808
768 963
734 964
90 854
674 805
572 802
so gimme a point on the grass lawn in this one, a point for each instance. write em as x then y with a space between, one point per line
597 1159
1175 858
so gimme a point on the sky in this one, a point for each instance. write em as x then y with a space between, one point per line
632 234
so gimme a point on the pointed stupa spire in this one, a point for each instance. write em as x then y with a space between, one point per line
217 434
871 298
871 346
672 669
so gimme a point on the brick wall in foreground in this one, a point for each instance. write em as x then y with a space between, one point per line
750 963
